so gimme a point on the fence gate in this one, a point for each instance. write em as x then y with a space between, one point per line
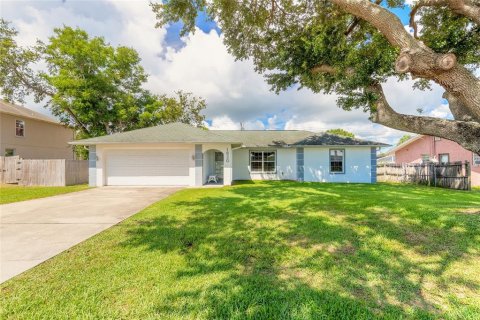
11 169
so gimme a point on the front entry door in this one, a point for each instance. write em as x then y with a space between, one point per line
219 164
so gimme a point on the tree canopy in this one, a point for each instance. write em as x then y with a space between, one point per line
403 139
341 132
89 84
351 48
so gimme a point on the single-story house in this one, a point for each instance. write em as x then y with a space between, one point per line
422 148
32 135
179 154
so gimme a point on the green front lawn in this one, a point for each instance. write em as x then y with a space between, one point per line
14 193
271 250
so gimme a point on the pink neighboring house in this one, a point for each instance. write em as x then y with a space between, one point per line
427 148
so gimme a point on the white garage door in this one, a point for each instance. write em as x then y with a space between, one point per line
148 167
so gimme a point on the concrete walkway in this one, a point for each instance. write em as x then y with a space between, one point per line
36 230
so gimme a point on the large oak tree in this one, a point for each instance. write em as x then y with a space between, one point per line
351 47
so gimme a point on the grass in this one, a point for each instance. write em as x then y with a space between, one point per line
270 250
14 193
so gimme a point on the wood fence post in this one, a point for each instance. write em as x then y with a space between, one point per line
468 171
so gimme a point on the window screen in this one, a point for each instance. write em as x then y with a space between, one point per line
476 160
19 128
337 159
444 158
262 161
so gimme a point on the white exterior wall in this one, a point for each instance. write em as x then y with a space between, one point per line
102 152
237 167
357 165
286 165
316 164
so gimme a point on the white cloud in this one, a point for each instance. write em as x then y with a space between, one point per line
441 111
362 130
223 123
408 29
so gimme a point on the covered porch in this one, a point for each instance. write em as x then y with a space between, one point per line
217 165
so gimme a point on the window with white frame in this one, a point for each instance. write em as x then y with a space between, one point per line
476 160
263 161
425 157
444 158
19 128
337 160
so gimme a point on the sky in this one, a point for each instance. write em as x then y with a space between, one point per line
199 63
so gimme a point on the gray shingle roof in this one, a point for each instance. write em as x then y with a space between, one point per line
265 138
325 139
183 133
172 132
271 138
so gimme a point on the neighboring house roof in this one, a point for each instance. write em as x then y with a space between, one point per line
404 144
16 110
183 133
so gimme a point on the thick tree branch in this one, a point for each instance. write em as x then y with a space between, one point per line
385 21
466 133
417 58
458 81
465 8
356 21
458 110
323 68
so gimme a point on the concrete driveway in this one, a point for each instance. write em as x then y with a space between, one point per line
36 230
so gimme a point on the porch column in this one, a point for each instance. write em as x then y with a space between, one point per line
198 165
92 166
227 166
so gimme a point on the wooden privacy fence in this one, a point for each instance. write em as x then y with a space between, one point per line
450 175
51 172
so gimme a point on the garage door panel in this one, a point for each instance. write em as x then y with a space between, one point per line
148 167
148 181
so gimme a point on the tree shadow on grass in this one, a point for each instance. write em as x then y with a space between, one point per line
287 250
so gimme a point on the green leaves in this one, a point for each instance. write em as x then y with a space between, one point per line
445 32
403 139
17 77
341 132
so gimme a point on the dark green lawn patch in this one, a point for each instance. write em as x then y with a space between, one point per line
270 250
14 193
